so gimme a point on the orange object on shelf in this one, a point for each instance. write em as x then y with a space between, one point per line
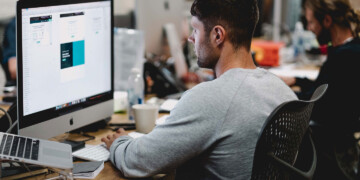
267 52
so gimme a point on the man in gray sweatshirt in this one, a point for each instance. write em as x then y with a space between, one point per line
212 131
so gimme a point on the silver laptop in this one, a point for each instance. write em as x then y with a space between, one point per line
35 151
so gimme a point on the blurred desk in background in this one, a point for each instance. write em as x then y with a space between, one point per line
293 70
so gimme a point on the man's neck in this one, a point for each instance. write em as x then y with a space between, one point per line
229 59
339 35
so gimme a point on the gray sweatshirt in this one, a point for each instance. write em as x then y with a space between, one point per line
212 131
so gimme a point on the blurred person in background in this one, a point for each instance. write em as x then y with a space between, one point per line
335 117
9 51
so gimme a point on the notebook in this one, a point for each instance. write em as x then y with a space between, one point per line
88 170
35 151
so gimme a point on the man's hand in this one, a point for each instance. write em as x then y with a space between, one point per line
108 140
288 80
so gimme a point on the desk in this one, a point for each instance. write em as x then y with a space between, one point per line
109 171
309 71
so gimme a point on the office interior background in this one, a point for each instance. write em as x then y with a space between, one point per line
124 12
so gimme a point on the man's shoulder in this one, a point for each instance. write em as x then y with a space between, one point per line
352 47
209 91
200 89
229 83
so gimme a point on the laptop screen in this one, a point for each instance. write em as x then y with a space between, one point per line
65 57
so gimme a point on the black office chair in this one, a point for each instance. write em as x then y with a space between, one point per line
338 153
346 153
282 138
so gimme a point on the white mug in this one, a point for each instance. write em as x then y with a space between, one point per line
145 116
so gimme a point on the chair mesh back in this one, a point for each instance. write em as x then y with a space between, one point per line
319 92
281 135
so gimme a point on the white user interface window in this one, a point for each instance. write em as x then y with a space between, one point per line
66 54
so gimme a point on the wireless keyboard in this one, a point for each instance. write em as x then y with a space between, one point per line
93 153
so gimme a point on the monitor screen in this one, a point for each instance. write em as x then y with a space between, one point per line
152 15
162 24
64 65
7 9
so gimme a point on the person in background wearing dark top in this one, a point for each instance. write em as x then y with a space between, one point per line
9 50
336 116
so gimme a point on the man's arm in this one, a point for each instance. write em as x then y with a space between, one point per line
290 81
12 67
188 132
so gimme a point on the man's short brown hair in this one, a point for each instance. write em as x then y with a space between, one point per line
238 17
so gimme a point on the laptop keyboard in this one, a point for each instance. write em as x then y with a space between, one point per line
20 147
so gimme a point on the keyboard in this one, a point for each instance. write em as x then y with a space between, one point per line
19 147
93 153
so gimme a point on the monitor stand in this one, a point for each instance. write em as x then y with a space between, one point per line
93 127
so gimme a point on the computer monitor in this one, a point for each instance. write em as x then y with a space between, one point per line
65 65
161 21
152 15
289 12
7 9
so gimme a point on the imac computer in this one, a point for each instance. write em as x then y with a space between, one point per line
7 10
161 21
65 65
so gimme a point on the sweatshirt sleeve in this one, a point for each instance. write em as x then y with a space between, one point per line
184 135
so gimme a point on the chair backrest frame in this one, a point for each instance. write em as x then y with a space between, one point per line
280 139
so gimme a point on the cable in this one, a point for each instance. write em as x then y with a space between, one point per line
89 137
62 174
85 135
27 168
12 126
8 116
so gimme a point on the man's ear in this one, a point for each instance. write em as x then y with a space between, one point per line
327 22
218 35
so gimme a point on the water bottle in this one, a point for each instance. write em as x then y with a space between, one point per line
135 90
298 41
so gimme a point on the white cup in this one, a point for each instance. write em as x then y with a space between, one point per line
145 116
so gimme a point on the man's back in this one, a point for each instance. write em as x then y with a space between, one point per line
243 99
212 131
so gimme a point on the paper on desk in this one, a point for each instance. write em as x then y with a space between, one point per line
161 120
168 105
293 72
87 170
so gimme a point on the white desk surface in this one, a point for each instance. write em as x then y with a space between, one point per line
292 70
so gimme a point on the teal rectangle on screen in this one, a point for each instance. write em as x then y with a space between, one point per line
78 53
